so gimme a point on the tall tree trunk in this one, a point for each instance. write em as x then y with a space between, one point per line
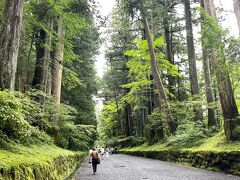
169 57
236 5
43 43
192 57
40 66
212 119
58 63
128 121
48 62
156 75
228 103
10 33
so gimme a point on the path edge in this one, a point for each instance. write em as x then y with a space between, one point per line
227 162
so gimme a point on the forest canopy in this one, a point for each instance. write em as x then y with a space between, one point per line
172 73
47 72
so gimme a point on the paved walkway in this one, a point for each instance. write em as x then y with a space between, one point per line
123 167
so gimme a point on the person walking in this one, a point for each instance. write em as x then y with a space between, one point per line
95 159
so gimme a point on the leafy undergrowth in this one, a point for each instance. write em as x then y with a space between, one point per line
217 143
37 161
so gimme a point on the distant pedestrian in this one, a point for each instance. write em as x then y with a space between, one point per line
94 157
111 150
90 158
107 152
102 153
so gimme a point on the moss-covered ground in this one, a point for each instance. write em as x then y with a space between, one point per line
213 153
217 143
37 162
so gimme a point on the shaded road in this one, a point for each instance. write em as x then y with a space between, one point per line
124 167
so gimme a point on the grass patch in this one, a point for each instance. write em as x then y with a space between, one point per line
146 147
48 161
214 153
217 143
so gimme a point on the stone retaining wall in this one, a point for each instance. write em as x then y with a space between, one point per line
60 168
228 162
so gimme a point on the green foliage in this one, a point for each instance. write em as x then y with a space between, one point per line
140 67
189 133
38 161
140 62
236 129
233 50
182 112
33 116
1 10
128 86
213 35
13 120
40 109
233 59
212 32
130 141
67 113
79 80
23 115
75 137
236 132
71 80
121 142
109 120
38 137
215 143
156 128
109 112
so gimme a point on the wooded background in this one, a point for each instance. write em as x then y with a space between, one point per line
172 74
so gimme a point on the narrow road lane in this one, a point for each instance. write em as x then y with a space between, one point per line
123 167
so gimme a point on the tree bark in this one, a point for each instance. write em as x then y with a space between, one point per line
212 120
226 94
128 122
169 57
58 63
10 33
48 62
236 5
191 57
40 66
156 75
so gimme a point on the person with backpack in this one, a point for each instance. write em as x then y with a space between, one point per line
95 160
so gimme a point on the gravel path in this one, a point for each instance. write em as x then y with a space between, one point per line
124 167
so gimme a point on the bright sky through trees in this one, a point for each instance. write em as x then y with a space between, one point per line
105 8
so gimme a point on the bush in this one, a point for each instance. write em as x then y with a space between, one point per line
156 128
113 142
188 134
131 141
40 109
121 141
236 130
13 126
12 123
183 114
39 137
30 118
76 137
